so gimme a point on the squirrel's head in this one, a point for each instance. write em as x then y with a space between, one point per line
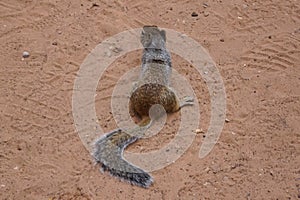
152 37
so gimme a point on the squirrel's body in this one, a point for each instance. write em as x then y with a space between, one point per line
152 88
153 84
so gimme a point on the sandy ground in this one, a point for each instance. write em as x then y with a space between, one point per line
256 45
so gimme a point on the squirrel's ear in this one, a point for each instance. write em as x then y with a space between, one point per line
163 34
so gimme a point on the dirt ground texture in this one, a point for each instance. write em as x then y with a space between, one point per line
256 46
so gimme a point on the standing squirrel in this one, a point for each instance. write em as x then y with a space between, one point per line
152 88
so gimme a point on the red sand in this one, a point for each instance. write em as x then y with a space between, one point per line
256 45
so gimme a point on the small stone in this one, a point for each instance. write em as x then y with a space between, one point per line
206 183
206 169
227 120
16 168
54 43
222 40
95 5
239 17
199 131
206 14
2 185
205 5
26 54
194 14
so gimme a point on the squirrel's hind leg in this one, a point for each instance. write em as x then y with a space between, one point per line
186 101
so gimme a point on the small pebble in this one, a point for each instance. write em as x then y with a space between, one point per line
222 40
206 14
199 131
26 54
194 14
206 183
95 5
54 43
227 120
206 169
245 5
205 5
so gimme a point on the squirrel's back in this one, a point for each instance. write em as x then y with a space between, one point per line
156 60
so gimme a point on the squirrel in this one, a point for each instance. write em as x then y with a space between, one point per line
152 88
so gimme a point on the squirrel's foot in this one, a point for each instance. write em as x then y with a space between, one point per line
186 101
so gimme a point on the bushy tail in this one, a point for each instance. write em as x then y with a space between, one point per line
109 151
